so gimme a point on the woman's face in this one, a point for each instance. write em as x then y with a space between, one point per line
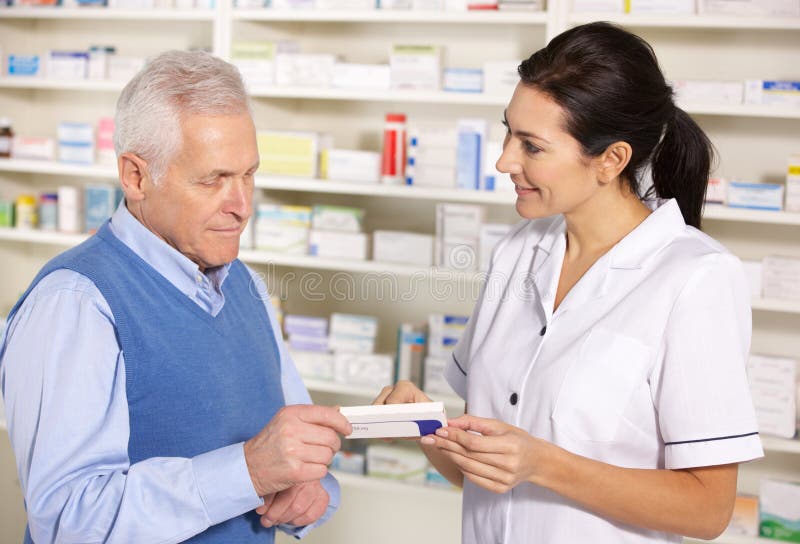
550 173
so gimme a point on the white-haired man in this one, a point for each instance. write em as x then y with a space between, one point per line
149 394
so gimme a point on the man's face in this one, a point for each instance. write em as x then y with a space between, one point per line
205 199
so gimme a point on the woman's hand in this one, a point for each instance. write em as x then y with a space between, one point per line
402 392
497 459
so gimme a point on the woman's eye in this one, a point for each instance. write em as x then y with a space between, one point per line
530 148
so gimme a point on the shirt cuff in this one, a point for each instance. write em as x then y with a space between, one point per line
224 483
714 451
331 485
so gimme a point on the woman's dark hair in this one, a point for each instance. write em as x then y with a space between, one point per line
611 88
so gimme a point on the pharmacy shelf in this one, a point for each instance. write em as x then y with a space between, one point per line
276 183
364 267
742 110
286 183
370 95
780 306
783 445
394 486
690 21
399 16
454 405
24 82
723 213
311 262
43 12
57 168
480 99
378 95
41 237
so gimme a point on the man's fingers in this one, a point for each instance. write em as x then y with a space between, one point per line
314 511
325 416
320 436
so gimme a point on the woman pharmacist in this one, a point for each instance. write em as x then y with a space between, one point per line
604 364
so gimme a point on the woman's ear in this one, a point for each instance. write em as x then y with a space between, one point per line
613 161
133 176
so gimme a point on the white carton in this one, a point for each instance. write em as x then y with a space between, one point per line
779 510
349 165
755 196
338 245
709 92
773 383
395 420
369 369
347 75
772 93
781 278
671 7
313 364
491 234
392 246
754 272
416 67
304 70
604 6
396 463
338 218
500 78
764 8
354 325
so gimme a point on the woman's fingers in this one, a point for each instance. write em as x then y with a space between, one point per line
484 426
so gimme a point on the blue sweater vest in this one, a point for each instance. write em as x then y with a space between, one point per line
194 382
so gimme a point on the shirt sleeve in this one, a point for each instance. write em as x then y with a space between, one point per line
63 379
699 386
295 392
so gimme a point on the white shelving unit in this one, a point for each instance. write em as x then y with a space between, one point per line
342 113
398 16
703 22
87 14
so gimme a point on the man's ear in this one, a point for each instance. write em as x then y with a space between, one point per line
133 176
613 161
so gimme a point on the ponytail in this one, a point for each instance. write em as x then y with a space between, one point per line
680 165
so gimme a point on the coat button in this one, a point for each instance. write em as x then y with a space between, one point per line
544 330
513 399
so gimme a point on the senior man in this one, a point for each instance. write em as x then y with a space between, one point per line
148 391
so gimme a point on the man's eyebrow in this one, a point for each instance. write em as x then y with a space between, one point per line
221 172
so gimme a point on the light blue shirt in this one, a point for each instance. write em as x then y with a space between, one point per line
62 376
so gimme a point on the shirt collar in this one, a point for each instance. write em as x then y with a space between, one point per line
656 231
178 269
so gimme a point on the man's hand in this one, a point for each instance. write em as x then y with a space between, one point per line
401 393
299 505
295 447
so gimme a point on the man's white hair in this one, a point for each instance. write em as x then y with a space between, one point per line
170 86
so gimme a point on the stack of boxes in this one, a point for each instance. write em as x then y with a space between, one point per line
337 232
774 388
749 8
283 229
458 229
759 196
444 332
